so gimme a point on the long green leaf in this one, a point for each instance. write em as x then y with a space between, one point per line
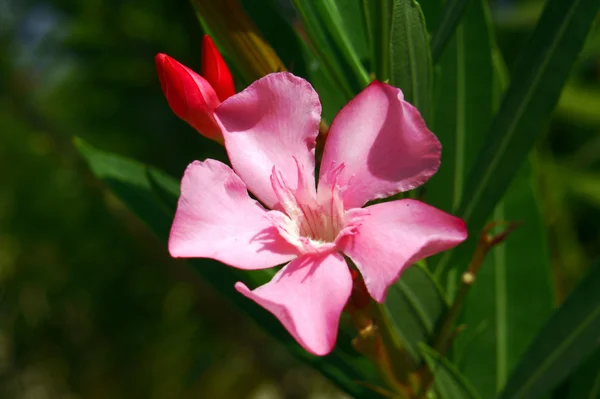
569 337
410 58
512 295
415 304
585 382
463 105
378 22
449 21
326 48
332 21
151 195
448 381
537 80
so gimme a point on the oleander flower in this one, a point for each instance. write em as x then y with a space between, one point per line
192 97
378 145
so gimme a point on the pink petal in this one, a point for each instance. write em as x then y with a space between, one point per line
394 235
189 95
216 218
273 121
384 144
307 296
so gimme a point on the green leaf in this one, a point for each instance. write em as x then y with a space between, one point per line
463 105
324 83
329 13
415 304
567 339
585 382
326 48
410 58
449 21
537 80
432 9
378 20
511 298
151 195
354 25
448 381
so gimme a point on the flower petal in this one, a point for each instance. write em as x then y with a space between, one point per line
273 121
307 296
189 95
216 218
394 235
384 144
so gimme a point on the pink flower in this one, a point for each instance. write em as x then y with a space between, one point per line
192 97
378 145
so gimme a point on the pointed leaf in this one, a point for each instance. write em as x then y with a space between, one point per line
463 105
511 298
537 80
567 339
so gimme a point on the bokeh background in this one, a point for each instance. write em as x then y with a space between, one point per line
91 305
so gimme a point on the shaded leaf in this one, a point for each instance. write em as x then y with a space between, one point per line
570 336
448 381
585 382
378 20
415 304
463 105
449 19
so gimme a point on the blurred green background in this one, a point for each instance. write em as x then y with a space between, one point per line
91 305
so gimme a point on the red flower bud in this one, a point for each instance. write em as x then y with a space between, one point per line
190 96
215 70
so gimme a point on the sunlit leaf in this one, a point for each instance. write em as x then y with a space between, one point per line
410 58
537 80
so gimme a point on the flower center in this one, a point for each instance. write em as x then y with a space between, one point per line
311 220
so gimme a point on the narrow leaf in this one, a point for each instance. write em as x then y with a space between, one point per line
569 337
448 22
463 105
537 80
511 298
448 381
325 47
410 58
332 21
378 21
415 304
584 383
